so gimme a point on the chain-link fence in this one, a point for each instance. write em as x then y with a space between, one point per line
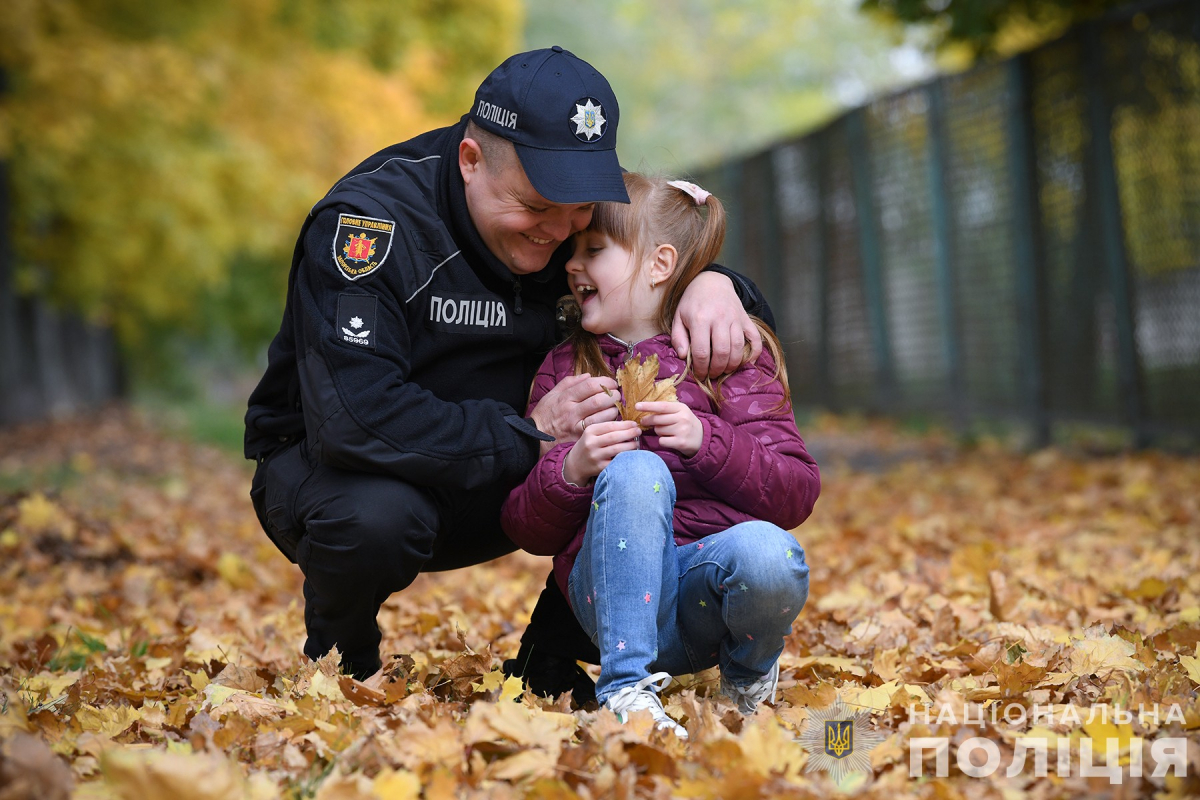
1021 240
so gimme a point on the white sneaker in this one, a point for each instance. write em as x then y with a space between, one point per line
642 696
748 697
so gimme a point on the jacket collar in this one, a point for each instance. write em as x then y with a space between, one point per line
612 346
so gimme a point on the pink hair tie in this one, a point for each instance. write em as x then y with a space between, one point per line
698 194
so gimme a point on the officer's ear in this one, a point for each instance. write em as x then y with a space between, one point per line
470 159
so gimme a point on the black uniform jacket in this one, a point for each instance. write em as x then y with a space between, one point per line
406 347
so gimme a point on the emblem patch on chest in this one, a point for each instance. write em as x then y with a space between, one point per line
356 319
468 313
361 244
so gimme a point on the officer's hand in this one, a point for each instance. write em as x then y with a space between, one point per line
576 401
712 324
597 447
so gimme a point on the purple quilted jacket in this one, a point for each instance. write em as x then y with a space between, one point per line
752 464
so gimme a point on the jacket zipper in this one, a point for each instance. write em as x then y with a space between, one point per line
623 343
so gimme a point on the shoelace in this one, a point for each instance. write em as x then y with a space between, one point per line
642 696
748 697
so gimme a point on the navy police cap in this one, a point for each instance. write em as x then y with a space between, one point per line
561 116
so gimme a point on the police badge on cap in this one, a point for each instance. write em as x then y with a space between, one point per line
588 120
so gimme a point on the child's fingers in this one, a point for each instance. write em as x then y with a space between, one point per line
659 406
613 433
611 426
658 421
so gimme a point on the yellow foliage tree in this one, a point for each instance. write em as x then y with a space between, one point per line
154 145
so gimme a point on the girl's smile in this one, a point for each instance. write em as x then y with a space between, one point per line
605 279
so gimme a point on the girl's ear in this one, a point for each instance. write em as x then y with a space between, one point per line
661 263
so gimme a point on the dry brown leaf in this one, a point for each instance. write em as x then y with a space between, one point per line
120 624
636 380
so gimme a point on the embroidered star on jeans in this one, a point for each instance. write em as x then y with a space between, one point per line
703 604
647 598
595 505
621 545
621 645
657 487
743 587
789 552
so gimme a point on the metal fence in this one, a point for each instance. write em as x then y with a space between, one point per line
1018 241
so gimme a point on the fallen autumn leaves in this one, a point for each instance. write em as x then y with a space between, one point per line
149 635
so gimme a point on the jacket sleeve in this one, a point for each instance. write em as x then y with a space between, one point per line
361 412
544 512
752 456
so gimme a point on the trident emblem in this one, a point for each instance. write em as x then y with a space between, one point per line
839 737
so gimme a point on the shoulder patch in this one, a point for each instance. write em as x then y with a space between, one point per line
360 244
356 319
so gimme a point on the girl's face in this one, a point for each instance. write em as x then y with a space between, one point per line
608 284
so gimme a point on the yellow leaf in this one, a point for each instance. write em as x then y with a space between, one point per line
1103 654
1100 732
768 749
324 686
525 765
636 379
235 571
490 682
879 698
36 514
393 784
215 694
1191 665
52 684
512 689
109 722
199 679
532 727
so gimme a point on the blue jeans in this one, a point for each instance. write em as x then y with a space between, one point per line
652 606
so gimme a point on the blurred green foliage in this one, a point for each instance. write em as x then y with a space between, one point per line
708 80
162 155
992 27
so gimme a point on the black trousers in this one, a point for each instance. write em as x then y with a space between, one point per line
359 537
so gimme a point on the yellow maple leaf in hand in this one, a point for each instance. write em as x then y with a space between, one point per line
636 379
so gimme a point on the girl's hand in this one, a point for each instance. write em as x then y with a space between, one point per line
597 447
676 426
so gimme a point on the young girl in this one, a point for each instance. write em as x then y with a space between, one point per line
671 545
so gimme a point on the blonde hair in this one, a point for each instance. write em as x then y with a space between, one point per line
658 213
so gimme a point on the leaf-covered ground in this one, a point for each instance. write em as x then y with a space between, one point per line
150 635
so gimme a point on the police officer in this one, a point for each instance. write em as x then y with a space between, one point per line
390 423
